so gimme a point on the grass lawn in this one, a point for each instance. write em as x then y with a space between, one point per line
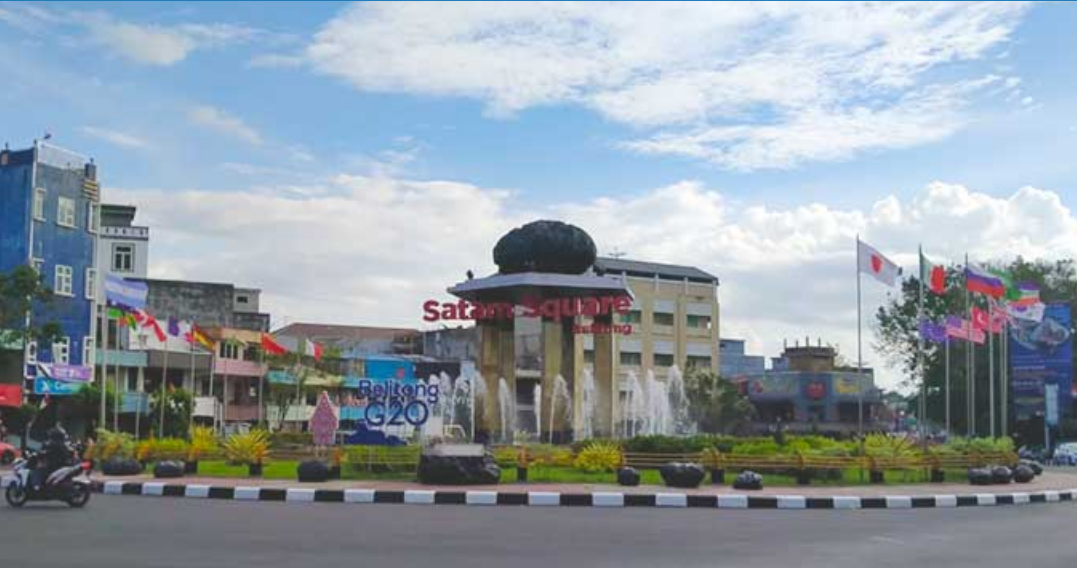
547 474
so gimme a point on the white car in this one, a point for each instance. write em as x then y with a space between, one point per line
1065 454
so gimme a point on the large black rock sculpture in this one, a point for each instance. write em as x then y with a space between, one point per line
312 471
458 470
628 477
748 481
545 246
121 466
682 475
168 469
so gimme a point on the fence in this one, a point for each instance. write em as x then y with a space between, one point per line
720 461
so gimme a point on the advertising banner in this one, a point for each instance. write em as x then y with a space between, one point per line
774 385
1041 353
66 373
52 387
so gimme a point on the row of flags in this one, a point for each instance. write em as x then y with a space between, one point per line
1007 300
195 335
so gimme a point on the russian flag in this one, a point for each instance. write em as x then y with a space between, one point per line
983 282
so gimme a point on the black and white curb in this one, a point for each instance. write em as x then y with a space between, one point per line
597 499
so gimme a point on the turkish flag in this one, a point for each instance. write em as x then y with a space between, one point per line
980 319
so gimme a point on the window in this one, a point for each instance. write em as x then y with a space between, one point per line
39 204
663 319
91 283
632 316
31 353
700 361
663 360
589 356
229 350
65 212
37 264
699 322
91 217
241 299
123 257
88 352
64 276
631 359
61 351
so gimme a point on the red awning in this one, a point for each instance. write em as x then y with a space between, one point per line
11 395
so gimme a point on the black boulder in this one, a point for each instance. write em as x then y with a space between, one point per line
628 477
312 471
458 470
121 466
748 480
168 469
682 475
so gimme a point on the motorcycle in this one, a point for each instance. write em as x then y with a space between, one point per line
70 484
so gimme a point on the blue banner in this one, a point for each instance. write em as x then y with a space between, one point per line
127 293
53 387
1041 353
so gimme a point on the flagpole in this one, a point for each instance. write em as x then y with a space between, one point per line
920 356
194 378
991 364
859 353
261 379
970 430
949 432
1004 374
164 379
103 382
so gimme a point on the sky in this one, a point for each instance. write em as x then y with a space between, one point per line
354 160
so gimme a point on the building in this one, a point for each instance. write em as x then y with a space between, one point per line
735 363
356 339
209 304
806 390
452 344
49 219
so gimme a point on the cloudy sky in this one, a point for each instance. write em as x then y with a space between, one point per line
353 160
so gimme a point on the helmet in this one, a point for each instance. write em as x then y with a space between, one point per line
56 435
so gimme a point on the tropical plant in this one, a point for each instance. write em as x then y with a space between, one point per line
718 406
251 448
886 446
203 442
177 406
599 457
158 449
112 445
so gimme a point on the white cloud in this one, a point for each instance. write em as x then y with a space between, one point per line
221 122
730 83
152 44
369 250
116 137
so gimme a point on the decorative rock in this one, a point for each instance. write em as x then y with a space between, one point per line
312 472
121 466
545 246
458 470
980 476
168 469
627 477
1001 474
682 475
1023 474
1035 466
748 480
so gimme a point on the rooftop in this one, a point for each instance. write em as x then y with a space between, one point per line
345 332
643 269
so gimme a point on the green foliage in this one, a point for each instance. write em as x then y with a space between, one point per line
177 407
886 446
381 458
158 449
283 439
978 445
86 403
111 445
247 449
598 456
20 290
203 442
717 406
679 445
759 447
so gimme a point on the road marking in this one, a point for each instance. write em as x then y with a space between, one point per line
671 500
732 501
543 498
299 495
153 488
480 498
358 495
419 497
608 499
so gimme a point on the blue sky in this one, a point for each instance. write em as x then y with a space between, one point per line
720 135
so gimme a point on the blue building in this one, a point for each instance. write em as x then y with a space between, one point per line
734 363
49 220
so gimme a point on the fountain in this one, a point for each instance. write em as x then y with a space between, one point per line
587 406
681 421
656 417
507 407
560 394
635 407
538 411
478 399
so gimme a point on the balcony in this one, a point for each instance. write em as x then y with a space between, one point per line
238 368
294 414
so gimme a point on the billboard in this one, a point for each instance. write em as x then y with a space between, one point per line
1041 353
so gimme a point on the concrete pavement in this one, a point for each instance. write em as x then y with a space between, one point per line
121 532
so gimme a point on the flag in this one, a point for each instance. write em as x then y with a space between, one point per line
198 336
312 349
149 321
958 328
173 326
1023 294
980 319
1030 312
269 345
932 275
874 263
983 282
933 332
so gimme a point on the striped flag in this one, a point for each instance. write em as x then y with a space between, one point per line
983 282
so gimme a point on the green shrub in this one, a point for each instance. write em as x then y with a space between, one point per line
978 445
284 439
203 443
159 449
758 447
598 457
381 458
247 449
111 445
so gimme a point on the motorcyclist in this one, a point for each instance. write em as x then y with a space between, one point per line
55 453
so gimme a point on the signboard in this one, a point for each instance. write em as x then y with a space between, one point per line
849 384
122 292
774 385
11 395
395 403
1041 354
1051 408
66 373
53 387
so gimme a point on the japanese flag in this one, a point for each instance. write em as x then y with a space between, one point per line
874 263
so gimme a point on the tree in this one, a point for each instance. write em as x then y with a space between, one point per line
897 335
177 406
20 290
283 395
86 404
717 405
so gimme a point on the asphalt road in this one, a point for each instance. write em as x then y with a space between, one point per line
149 532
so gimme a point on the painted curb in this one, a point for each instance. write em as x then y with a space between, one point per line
599 499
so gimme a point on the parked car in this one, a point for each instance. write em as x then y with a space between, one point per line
1065 454
8 453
